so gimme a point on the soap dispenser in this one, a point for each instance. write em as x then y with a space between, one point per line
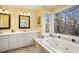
12 30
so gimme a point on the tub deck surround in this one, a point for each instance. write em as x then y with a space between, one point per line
56 45
9 41
41 48
48 48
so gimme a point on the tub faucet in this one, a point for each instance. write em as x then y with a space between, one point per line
12 30
73 40
58 36
50 35
43 37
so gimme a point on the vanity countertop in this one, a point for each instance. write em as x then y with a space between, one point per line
9 33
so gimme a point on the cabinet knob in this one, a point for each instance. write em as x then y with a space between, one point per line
67 49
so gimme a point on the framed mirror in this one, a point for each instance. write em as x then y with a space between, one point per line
24 21
4 21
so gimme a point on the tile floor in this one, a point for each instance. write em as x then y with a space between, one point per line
29 49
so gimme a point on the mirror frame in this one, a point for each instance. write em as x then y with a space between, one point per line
20 20
9 21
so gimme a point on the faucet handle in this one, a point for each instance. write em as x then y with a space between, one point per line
12 30
42 36
51 35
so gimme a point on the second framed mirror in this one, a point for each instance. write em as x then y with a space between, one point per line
24 21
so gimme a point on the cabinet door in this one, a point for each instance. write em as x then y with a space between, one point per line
4 43
21 40
36 35
13 41
30 37
26 39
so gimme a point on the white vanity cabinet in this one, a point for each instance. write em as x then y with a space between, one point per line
16 40
13 41
30 38
36 35
4 43
25 39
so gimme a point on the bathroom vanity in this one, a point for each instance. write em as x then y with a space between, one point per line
15 40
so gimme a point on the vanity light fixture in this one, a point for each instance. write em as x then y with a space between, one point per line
24 13
3 10
0 10
6 11
20 13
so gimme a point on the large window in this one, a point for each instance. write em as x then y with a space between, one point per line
67 21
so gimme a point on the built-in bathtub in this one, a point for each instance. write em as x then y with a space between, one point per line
60 46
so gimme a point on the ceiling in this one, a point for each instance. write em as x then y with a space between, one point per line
32 6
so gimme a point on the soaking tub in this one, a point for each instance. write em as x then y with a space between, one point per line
60 46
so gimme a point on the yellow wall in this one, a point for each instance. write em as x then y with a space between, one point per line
14 11
58 8
14 19
40 12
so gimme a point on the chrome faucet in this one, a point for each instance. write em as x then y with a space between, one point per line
42 36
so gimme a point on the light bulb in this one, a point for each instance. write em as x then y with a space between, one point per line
6 11
1 10
28 13
24 14
21 13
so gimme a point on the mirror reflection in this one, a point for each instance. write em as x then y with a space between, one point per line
24 21
4 21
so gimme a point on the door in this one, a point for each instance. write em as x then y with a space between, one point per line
21 40
30 37
13 41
